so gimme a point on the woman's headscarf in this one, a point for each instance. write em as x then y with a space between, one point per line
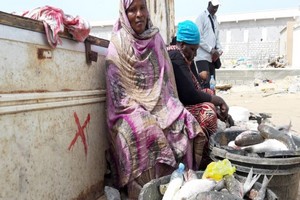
188 32
123 22
132 52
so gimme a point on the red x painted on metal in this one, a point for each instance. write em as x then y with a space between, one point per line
80 132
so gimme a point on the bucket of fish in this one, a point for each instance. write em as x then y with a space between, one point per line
269 150
204 189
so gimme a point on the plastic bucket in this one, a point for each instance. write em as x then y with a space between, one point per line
285 170
150 191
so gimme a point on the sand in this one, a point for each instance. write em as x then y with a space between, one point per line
283 106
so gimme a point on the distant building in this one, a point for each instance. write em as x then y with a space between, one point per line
102 29
253 36
257 36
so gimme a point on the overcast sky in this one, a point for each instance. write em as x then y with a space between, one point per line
107 10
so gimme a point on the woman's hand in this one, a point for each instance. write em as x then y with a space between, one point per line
222 107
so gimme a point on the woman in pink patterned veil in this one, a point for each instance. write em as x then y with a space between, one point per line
150 131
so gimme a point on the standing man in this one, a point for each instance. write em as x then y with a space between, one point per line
209 51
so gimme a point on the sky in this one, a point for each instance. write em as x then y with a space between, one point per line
107 10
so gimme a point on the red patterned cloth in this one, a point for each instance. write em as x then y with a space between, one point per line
206 115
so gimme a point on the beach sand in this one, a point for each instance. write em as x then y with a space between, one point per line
284 107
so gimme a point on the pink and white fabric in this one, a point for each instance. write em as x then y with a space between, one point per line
56 20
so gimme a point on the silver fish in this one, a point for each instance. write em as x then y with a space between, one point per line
233 145
237 188
285 128
190 175
220 185
233 186
266 146
262 191
248 137
250 181
192 188
269 132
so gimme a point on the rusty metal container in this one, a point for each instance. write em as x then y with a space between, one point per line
52 114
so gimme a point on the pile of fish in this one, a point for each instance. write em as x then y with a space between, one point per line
185 185
265 139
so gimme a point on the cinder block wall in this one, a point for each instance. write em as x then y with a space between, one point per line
252 39
253 51
247 76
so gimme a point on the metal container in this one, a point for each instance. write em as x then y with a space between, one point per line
150 191
285 168
52 114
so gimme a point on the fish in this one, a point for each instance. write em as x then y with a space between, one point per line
232 148
260 195
248 137
233 186
262 191
253 194
220 185
190 175
163 188
238 189
233 145
250 181
213 195
187 175
285 128
266 146
192 188
268 132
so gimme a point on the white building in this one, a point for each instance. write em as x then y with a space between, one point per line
254 36
258 36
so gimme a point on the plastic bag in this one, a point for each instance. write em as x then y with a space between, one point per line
216 170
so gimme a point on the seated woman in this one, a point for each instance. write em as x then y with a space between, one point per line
150 131
205 106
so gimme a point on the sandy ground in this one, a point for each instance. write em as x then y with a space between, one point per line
284 107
